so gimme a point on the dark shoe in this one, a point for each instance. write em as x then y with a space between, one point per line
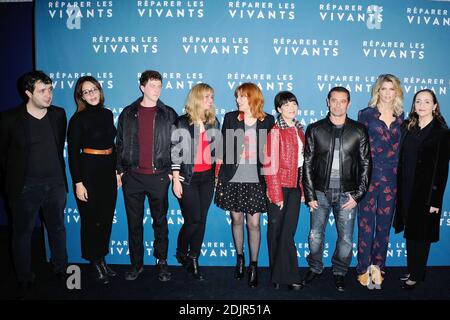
404 277
339 282
24 289
163 271
110 272
310 276
60 279
407 276
409 286
240 264
60 276
194 269
253 275
295 286
99 274
276 286
26 285
134 272
182 259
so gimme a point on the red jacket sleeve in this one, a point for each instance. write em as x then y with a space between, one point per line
302 139
271 166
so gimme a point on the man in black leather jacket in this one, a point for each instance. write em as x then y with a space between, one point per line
336 176
143 166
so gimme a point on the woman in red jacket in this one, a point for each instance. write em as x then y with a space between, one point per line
283 174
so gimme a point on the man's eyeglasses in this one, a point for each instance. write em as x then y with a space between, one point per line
89 92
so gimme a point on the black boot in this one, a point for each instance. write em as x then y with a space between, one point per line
106 269
182 259
239 270
194 269
253 274
99 274
163 270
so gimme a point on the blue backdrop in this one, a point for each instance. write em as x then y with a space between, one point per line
307 47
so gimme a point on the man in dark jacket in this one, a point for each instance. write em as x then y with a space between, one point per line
336 176
143 165
32 137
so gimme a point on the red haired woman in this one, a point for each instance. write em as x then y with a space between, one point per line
241 186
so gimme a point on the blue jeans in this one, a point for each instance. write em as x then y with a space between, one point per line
344 219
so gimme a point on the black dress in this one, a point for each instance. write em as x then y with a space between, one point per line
94 128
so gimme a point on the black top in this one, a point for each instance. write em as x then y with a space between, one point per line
91 128
43 162
15 145
411 146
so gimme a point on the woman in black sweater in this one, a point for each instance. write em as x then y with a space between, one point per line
92 162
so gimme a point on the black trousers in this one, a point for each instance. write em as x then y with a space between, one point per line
194 204
98 212
280 238
135 188
417 257
50 197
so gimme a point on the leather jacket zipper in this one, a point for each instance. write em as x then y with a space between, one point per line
330 158
341 161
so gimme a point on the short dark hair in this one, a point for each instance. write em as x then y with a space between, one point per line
27 81
149 75
339 89
282 98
